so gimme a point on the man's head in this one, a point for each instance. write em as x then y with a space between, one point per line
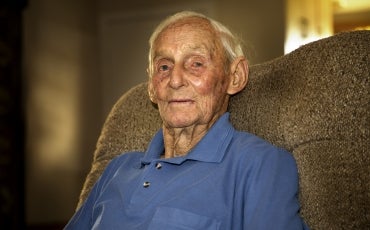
231 43
195 64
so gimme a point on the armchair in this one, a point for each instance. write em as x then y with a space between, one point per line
314 102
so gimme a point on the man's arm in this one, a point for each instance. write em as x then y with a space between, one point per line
272 193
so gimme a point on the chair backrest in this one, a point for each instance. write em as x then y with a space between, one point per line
314 102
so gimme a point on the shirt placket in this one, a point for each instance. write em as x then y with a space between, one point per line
153 180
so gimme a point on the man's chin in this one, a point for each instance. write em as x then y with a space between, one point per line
179 122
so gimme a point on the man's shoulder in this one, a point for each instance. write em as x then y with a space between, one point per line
251 152
254 146
246 139
127 158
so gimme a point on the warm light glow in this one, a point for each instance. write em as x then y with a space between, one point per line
58 115
53 101
362 28
295 41
307 21
346 6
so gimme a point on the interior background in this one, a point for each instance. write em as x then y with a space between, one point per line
80 56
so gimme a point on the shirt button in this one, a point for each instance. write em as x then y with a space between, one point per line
158 165
146 184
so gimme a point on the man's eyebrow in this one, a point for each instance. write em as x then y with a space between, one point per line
157 56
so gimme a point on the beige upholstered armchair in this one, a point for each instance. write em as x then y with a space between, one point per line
315 102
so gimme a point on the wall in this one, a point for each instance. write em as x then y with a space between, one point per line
259 22
63 113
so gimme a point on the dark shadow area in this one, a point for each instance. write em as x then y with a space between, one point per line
12 156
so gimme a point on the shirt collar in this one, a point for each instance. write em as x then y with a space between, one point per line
210 149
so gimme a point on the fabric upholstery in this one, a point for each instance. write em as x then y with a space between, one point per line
314 102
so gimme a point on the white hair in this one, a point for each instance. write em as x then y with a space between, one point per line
231 43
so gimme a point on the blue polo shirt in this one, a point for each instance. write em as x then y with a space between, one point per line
230 180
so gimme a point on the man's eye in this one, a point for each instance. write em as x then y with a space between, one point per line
164 68
197 64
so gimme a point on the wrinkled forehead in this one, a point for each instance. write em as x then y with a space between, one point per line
200 29
196 23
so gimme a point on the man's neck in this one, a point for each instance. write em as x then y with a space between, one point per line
179 141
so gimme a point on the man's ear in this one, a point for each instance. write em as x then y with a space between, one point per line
238 75
151 93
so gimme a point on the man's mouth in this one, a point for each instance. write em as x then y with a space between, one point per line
180 101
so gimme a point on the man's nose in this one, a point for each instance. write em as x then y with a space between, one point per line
177 78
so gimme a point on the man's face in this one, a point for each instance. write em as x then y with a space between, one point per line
189 82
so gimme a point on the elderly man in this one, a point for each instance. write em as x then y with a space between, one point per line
198 171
